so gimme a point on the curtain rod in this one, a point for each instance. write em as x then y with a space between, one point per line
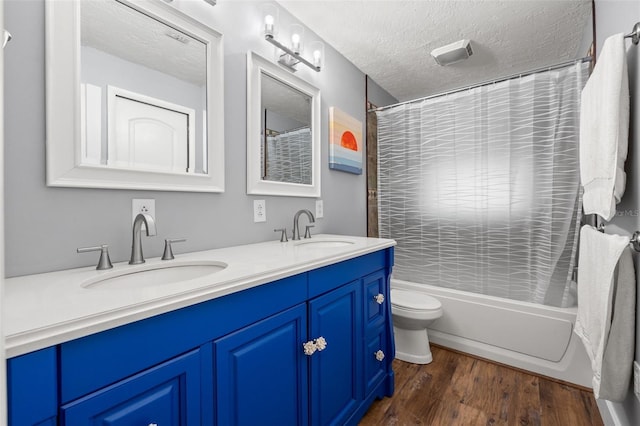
485 83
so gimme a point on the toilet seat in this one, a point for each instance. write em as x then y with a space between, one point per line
414 301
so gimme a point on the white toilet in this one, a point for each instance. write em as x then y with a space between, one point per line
412 312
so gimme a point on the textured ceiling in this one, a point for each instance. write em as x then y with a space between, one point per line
285 100
391 40
124 32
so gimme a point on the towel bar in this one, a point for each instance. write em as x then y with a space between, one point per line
634 35
599 224
635 241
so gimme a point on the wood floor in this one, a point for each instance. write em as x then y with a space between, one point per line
460 390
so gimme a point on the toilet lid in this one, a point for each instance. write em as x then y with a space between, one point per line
414 300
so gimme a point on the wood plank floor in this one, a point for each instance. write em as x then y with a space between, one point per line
456 389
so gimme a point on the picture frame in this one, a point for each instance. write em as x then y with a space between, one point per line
346 145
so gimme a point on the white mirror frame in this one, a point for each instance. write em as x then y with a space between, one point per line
256 66
63 122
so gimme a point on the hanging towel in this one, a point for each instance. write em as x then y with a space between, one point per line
604 130
606 310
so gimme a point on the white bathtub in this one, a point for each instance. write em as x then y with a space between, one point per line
533 337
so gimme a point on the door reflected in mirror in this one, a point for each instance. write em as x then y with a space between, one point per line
143 92
286 130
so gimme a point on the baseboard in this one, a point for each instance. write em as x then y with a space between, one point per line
522 370
609 413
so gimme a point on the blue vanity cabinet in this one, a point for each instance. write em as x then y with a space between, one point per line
374 325
232 360
261 372
168 394
263 375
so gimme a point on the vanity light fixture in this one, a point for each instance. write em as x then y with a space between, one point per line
291 55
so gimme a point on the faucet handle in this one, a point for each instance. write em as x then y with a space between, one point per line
168 253
307 231
283 235
104 262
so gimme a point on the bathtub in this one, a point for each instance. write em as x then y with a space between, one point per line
524 335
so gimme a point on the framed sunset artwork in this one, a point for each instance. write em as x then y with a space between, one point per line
345 142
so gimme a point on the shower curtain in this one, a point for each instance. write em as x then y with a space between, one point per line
480 188
288 157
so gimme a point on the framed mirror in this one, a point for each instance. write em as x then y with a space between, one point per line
283 131
134 97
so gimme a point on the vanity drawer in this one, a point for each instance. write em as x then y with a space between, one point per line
375 299
375 360
330 277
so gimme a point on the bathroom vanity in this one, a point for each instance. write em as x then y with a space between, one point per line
284 334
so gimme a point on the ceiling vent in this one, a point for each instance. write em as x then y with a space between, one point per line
452 53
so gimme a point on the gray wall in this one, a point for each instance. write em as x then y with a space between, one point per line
377 95
44 226
614 16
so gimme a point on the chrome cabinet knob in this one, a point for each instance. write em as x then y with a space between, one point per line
379 298
379 355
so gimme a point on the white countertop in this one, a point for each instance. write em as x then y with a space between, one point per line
46 309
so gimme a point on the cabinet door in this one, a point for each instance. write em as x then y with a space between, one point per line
336 373
261 372
32 388
168 394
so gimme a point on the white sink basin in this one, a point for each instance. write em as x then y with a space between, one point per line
324 243
154 275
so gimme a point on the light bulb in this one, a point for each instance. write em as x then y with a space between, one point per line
295 43
317 58
268 25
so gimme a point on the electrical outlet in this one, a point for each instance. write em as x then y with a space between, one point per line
319 209
636 379
259 211
147 206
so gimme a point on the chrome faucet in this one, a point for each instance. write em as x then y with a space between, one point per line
296 227
136 244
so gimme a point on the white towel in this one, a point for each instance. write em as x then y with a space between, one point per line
606 310
604 130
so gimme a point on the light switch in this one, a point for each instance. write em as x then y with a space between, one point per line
319 209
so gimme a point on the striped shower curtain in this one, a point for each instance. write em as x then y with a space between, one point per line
480 188
288 157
